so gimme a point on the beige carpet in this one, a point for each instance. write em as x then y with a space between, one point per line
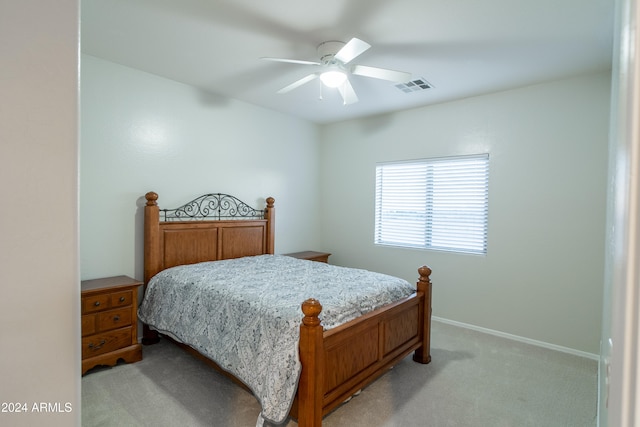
474 380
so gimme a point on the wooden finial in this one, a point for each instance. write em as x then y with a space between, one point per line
151 198
424 272
270 202
311 309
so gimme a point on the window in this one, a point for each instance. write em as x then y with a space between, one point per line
433 204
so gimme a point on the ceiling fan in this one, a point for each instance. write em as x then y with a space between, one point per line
335 68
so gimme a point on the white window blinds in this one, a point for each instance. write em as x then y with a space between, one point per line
433 204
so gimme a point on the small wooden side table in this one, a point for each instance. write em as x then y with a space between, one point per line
311 255
109 321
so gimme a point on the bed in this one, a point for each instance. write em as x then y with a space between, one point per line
334 361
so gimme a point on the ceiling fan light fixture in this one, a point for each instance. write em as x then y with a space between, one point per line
333 78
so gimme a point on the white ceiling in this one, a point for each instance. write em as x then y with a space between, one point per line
462 47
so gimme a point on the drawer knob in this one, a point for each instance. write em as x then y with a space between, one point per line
96 347
116 318
122 299
97 303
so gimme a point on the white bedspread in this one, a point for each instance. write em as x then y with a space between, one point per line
245 314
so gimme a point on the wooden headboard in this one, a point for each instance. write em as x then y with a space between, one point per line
210 228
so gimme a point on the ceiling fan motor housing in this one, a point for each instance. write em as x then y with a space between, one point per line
327 51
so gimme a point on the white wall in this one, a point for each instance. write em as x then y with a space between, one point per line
141 133
39 307
542 277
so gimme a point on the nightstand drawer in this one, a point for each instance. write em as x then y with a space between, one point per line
120 299
114 319
106 342
95 303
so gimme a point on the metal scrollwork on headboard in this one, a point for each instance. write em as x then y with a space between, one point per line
215 206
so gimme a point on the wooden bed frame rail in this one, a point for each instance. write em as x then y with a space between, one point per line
335 363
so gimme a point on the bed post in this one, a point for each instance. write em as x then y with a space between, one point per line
151 236
423 354
311 384
151 255
269 215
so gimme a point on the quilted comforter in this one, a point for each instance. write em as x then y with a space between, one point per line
245 314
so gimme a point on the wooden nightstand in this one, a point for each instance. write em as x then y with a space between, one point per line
109 321
311 255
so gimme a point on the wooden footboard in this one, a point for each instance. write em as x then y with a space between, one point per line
339 362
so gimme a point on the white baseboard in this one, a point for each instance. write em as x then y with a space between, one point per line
519 338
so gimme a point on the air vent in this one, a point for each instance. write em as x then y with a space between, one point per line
414 86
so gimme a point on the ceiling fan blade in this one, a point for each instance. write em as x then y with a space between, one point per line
352 49
381 73
298 83
347 92
292 61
